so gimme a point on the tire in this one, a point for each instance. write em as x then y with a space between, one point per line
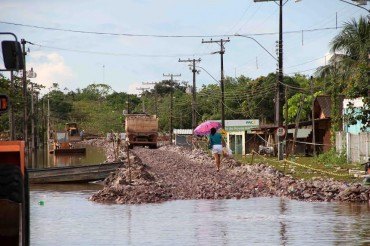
131 146
11 183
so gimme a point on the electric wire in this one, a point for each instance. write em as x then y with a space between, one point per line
117 54
165 36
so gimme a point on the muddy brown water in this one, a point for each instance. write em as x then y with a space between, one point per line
94 155
69 218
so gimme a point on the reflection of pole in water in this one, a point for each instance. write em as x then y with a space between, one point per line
205 229
129 224
283 229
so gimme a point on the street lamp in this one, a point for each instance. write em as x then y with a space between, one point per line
245 36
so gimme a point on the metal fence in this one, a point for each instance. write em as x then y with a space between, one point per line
355 146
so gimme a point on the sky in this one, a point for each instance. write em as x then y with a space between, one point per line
75 60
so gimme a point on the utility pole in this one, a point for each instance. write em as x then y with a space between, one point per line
286 121
142 89
280 77
221 42
155 95
128 103
171 101
32 127
48 131
11 111
24 83
279 91
193 91
313 118
32 74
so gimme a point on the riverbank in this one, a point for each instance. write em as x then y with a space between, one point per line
174 173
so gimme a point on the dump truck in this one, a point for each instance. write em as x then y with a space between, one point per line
14 194
141 130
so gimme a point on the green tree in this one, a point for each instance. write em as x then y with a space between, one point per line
348 70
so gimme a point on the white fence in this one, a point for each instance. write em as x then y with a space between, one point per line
356 146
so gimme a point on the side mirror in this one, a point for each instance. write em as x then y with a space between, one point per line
4 103
12 54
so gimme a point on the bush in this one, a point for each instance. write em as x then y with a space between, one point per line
331 158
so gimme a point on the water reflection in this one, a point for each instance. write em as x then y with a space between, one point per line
43 159
69 217
283 229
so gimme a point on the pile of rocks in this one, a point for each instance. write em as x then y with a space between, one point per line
178 173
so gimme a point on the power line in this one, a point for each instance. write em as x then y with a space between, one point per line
162 35
110 33
116 54
303 63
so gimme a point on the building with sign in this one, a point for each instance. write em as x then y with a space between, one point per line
236 133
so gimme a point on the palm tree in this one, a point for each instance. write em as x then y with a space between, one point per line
354 40
350 47
348 70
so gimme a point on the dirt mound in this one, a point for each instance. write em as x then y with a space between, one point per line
172 172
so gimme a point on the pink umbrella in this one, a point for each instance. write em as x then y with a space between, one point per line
205 127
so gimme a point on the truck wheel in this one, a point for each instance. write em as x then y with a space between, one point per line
11 183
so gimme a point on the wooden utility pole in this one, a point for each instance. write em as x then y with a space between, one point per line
155 95
24 84
194 91
280 77
48 130
11 111
297 124
286 121
142 99
32 127
171 101
313 118
221 42
129 163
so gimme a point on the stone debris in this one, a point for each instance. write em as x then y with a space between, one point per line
175 173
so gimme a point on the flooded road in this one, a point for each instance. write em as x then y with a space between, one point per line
94 155
68 218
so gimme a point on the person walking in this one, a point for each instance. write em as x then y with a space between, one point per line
215 144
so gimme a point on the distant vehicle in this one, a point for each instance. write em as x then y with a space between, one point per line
62 144
141 130
73 131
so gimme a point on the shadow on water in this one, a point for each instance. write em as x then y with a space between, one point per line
44 159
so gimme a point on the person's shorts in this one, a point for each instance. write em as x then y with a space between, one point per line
217 149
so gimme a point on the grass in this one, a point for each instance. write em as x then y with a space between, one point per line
327 165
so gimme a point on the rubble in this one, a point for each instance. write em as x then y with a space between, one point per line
173 173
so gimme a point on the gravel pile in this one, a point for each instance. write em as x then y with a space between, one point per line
173 173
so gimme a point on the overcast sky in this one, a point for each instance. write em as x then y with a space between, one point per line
129 61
